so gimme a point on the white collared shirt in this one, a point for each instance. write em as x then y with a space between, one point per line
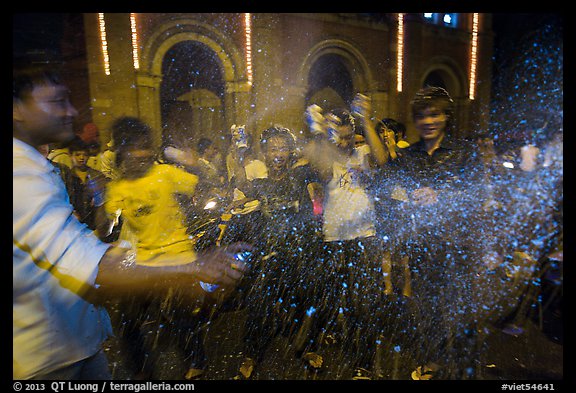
55 258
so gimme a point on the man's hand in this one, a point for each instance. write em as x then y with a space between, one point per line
219 265
238 133
118 272
183 157
390 142
424 196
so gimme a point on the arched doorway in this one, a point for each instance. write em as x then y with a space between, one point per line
332 72
329 83
191 94
442 73
435 79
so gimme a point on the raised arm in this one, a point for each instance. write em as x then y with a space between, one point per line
319 151
362 109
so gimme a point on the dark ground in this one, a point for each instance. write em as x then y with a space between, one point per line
534 355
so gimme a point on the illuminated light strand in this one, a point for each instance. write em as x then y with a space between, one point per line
248 36
473 57
104 43
134 40
400 54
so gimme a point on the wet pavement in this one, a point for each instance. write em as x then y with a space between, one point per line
535 354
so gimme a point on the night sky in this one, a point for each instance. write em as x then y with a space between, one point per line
37 32
43 31
512 28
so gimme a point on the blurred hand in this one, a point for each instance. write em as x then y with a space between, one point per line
239 135
390 142
492 260
361 106
183 157
424 196
529 154
332 124
219 265
315 120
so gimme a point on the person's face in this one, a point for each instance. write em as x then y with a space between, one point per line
346 137
44 149
45 115
430 122
211 152
136 162
386 134
79 158
277 153
344 133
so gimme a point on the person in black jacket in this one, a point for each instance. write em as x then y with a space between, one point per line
281 287
443 178
439 227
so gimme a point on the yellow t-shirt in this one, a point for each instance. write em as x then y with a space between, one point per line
151 211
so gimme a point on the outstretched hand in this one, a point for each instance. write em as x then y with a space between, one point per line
183 157
219 265
424 196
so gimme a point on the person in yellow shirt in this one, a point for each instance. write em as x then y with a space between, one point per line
145 196
148 204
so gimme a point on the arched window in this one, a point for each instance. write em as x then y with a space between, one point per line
442 19
330 82
192 91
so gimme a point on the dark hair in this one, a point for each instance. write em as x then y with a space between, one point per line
437 97
203 144
78 144
128 130
130 133
280 132
345 117
26 75
392 124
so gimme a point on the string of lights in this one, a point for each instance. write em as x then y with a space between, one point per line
248 37
400 53
473 56
104 43
134 41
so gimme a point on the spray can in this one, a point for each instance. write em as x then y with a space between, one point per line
242 139
241 256
239 135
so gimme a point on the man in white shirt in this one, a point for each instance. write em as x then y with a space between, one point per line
61 269
353 275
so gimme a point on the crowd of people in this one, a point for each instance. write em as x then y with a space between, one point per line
363 240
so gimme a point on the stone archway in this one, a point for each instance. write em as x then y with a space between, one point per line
231 87
330 83
191 94
327 98
347 57
343 56
443 72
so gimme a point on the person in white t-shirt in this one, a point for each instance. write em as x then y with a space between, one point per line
354 275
